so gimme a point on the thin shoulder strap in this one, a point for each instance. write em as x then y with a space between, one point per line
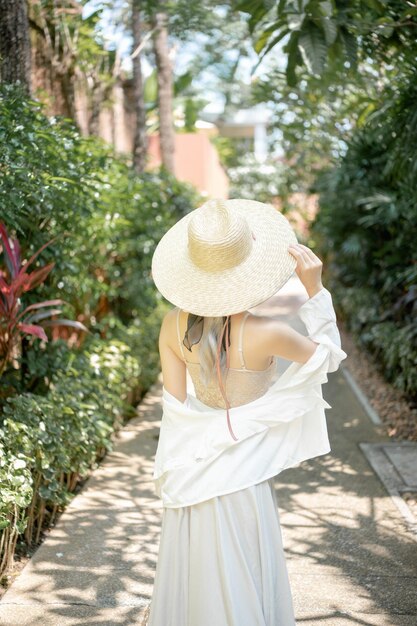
240 348
178 333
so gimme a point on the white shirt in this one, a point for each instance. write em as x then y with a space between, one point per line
197 459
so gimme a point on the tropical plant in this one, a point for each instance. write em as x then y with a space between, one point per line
15 321
317 34
367 227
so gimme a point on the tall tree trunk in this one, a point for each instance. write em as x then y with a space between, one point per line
140 138
14 43
54 58
165 95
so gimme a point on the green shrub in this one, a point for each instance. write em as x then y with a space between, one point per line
141 335
55 182
367 228
16 489
47 443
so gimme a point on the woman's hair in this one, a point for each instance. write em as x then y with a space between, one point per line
212 329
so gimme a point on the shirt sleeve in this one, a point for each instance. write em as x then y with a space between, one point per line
319 317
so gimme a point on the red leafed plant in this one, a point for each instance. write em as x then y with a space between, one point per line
13 283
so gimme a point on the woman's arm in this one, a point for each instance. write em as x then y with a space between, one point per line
174 374
280 339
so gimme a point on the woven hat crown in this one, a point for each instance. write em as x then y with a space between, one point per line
218 238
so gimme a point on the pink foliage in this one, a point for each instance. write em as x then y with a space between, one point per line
16 280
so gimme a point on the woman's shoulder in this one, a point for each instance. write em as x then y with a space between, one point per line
264 331
273 336
168 321
171 313
267 324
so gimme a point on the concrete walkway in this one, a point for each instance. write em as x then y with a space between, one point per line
351 558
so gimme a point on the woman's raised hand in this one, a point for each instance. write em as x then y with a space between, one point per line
308 269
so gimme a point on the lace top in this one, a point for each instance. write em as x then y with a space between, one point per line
242 384
197 459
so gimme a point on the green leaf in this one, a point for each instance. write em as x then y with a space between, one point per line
329 27
265 35
150 88
62 179
364 114
292 49
384 27
295 21
313 47
274 42
281 7
182 82
351 46
375 5
326 8
408 13
257 10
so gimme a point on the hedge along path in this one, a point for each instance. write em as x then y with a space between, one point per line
99 560
48 443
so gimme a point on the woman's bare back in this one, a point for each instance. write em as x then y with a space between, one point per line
262 338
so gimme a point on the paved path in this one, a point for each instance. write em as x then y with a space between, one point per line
351 558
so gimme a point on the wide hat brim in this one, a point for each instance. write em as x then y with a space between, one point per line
258 277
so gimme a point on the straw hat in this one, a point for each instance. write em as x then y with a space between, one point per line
224 257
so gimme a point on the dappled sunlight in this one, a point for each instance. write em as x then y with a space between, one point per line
104 549
338 521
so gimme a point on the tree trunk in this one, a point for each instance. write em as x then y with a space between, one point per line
165 95
140 138
14 43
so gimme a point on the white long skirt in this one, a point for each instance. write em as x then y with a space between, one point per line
221 563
